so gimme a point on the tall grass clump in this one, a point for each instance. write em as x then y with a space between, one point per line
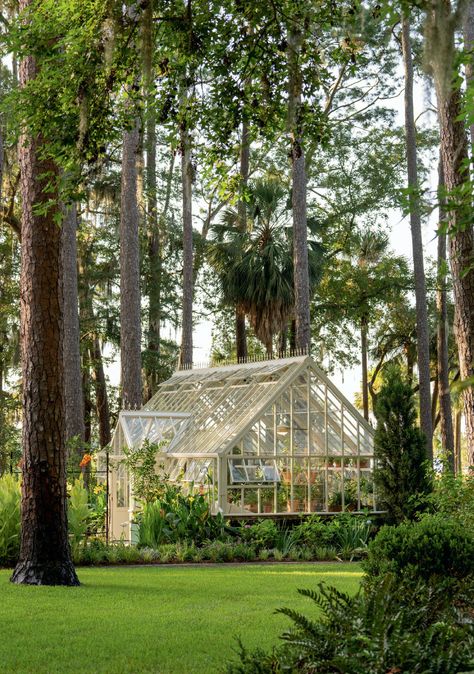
9 519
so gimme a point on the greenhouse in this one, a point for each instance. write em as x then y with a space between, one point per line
270 438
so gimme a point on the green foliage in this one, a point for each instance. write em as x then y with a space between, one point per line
78 512
400 475
370 633
149 482
352 535
262 534
9 519
179 517
83 55
434 548
313 532
255 264
453 497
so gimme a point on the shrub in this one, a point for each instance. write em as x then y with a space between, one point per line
313 532
325 554
351 534
178 517
399 445
9 519
453 496
167 553
148 555
434 546
218 551
370 633
244 552
263 534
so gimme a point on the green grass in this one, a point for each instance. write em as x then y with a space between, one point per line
160 620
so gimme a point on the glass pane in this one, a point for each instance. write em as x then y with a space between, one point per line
122 499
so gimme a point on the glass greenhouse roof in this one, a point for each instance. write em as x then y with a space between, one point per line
226 402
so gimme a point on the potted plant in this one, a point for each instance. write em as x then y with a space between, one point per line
267 500
251 500
335 502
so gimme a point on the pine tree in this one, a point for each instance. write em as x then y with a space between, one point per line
400 450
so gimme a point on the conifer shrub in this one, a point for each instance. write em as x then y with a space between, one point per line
400 476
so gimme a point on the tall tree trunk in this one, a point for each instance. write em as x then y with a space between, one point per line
93 361
101 396
457 441
130 315
86 387
365 378
469 46
74 398
298 176
422 329
153 233
454 156
445 407
461 251
240 329
186 354
45 556
240 335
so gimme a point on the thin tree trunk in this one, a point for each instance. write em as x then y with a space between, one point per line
86 387
153 233
186 354
282 342
74 398
130 315
434 401
300 233
240 328
101 396
365 378
422 329
240 335
445 406
45 555
457 441
293 335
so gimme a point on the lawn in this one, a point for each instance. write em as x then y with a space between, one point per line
160 620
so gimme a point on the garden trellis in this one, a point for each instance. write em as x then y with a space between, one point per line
271 438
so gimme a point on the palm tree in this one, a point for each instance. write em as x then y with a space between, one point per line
255 265
370 248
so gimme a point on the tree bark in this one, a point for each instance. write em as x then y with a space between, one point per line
130 314
298 199
445 406
240 328
186 353
74 398
469 46
154 238
422 329
240 335
457 441
365 378
101 396
454 156
461 246
45 556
